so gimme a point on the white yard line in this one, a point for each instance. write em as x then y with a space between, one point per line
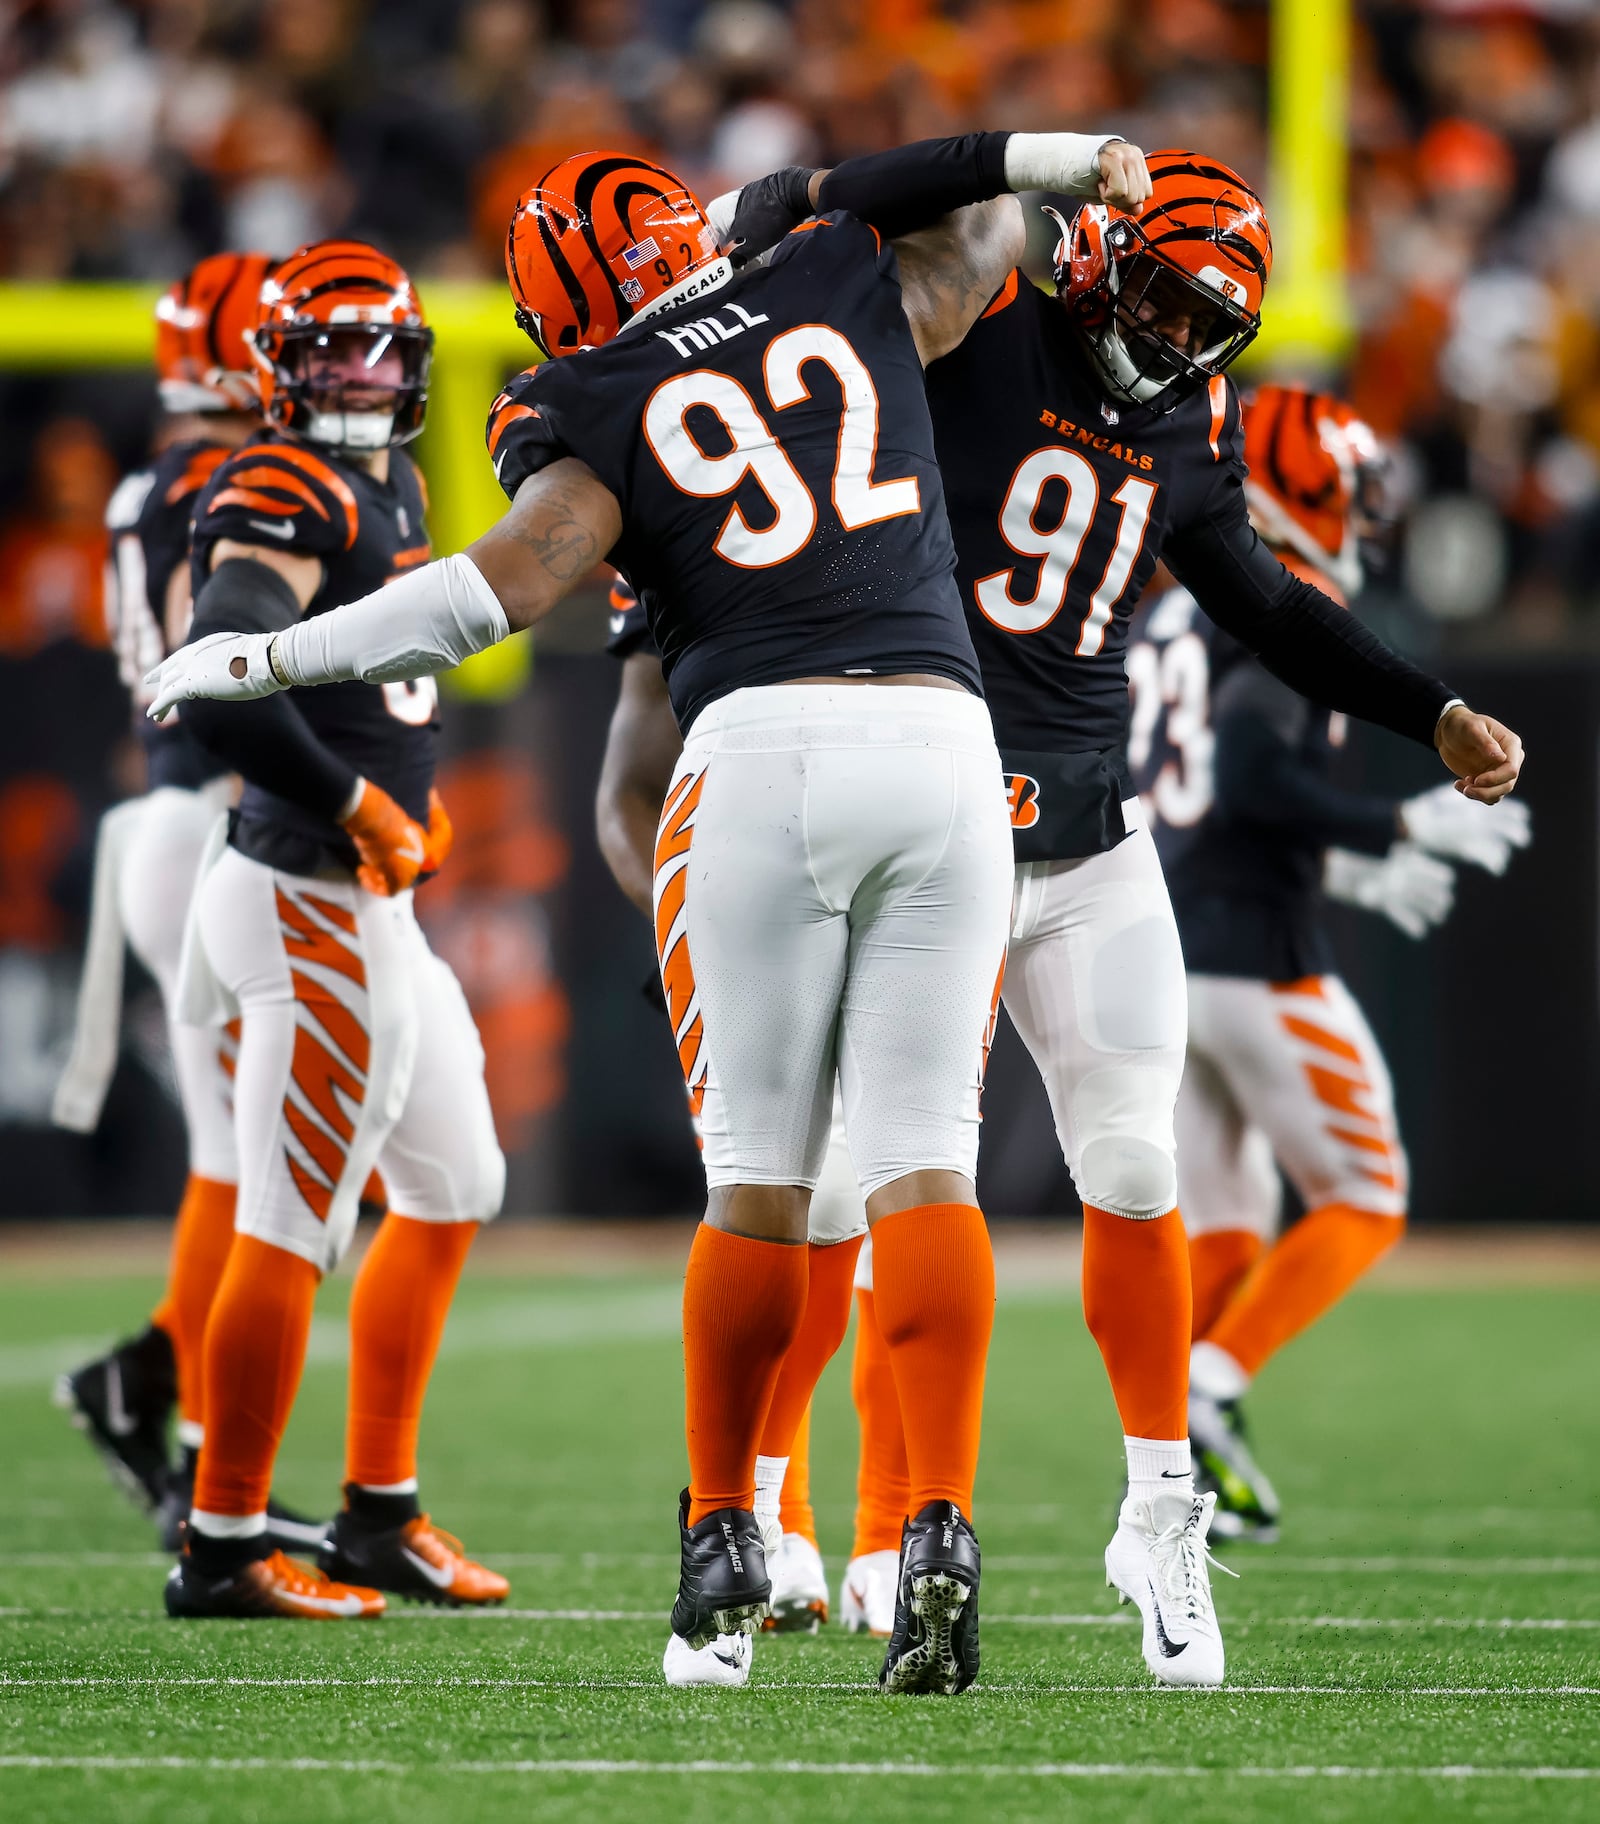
1035 1687
1037 1770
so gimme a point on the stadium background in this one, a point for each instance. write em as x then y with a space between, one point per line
1432 170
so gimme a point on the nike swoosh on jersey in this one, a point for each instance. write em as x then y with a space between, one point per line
618 622
276 528
441 1579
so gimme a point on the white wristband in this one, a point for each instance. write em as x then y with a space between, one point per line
418 624
1065 162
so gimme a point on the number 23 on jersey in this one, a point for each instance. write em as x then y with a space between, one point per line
755 450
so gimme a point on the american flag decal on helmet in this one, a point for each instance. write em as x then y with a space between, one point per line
641 251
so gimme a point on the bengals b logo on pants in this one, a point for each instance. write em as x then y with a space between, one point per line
1022 795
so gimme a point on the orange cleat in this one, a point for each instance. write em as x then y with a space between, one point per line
276 1585
417 1560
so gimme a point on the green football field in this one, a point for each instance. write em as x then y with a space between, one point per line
1424 1643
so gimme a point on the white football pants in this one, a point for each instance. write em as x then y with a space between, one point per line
1287 1072
1095 986
831 895
356 1050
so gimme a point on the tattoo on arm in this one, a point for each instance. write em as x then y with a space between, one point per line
557 536
949 272
565 519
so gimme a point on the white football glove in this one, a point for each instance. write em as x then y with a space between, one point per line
1406 886
1445 823
230 666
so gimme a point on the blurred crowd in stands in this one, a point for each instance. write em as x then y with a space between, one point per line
136 135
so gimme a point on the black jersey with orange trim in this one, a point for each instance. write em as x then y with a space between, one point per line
148 520
1061 504
769 444
1234 769
280 495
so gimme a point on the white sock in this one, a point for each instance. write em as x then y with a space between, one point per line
408 1487
1158 1466
770 1472
228 1526
1214 1373
190 1434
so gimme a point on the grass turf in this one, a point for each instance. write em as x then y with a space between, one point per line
1441 1505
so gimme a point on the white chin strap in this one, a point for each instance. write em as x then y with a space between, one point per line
351 430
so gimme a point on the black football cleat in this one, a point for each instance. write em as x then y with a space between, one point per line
723 1587
123 1402
934 1646
1224 1465
241 1588
403 1552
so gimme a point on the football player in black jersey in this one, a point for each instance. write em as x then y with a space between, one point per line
642 748
356 1046
753 451
1282 1068
147 860
1081 437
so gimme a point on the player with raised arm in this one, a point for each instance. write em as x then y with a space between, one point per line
147 859
832 872
356 1046
1081 437
1282 1069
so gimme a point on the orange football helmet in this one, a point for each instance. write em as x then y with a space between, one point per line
343 348
601 240
1316 478
203 326
1199 253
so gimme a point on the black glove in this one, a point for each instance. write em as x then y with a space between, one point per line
767 209
653 992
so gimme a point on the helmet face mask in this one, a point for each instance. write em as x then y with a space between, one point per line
1168 300
343 349
354 386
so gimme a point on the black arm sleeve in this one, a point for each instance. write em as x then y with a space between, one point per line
1300 634
267 741
1261 780
912 186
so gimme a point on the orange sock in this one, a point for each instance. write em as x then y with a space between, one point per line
1218 1262
1137 1304
200 1243
933 1274
883 1484
794 1504
398 1306
743 1303
254 1353
830 1273
1304 1274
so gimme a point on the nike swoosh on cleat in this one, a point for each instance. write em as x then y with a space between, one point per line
440 1579
273 528
730 1660
325 1605
1168 1650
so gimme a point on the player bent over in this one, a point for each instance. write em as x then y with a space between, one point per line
1081 437
1282 1067
146 862
356 1047
832 870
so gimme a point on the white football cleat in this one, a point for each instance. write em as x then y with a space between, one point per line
799 1587
866 1596
723 1661
1158 1559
